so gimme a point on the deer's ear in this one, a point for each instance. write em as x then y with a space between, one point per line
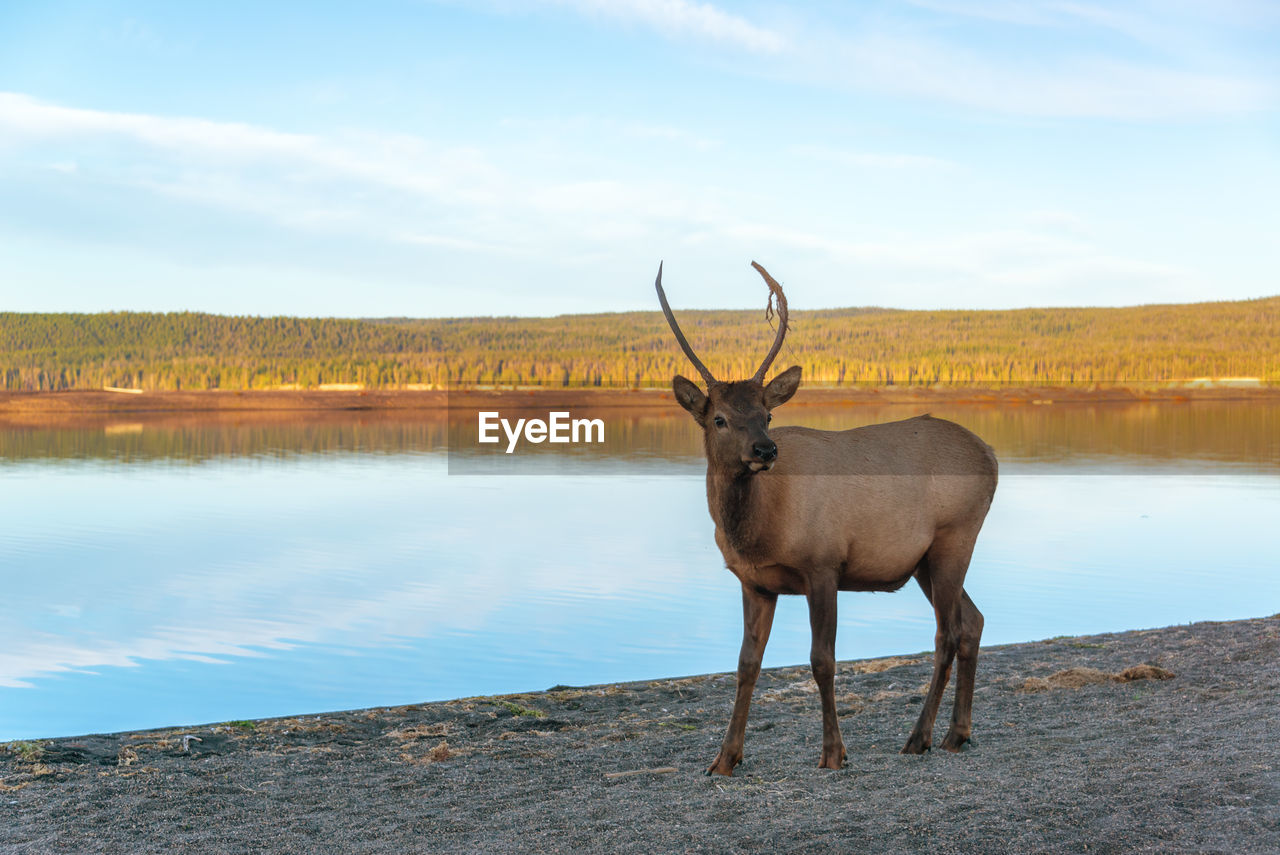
690 397
782 387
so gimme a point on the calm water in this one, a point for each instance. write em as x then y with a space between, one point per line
179 571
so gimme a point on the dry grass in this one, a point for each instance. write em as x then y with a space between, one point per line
165 744
680 683
789 692
875 666
1143 672
438 753
419 731
849 703
1076 678
301 725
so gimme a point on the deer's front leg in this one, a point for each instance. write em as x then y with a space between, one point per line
757 620
822 656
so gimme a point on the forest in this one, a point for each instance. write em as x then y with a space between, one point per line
836 347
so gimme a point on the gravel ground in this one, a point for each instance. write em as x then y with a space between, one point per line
1071 756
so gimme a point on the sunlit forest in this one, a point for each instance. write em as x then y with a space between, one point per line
187 350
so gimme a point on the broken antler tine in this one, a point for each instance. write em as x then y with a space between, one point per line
675 328
775 293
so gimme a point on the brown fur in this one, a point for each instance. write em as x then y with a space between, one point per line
856 510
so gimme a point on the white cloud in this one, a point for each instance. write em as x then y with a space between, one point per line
298 179
295 179
1136 60
1022 266
1020 12
686 19
24 115
1043 58
1179 62
412 201
608 131
671 134
400 162
868 159
1159 23
1068 87
1064 222
360 190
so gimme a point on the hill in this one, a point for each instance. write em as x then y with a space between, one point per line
187 350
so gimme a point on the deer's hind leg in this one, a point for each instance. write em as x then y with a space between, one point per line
966 674
941 576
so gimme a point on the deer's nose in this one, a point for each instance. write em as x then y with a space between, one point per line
766 450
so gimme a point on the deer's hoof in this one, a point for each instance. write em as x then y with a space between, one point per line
832 759
956 744
916 745
723 765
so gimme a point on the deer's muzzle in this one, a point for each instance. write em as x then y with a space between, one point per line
763 453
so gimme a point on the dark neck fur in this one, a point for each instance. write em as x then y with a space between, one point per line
730 496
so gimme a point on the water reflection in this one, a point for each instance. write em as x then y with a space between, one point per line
335 562
1221 432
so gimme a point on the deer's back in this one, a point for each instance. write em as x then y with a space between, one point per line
918 446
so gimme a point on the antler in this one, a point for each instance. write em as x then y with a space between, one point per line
775 292
675 328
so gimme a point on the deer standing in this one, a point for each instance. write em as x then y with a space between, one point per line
814 512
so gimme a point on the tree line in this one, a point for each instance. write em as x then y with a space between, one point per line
190 350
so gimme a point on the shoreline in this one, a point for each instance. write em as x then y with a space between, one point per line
82 402
1158 740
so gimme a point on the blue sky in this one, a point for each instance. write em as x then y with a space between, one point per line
419 158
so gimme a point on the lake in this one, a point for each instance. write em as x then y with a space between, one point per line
188 569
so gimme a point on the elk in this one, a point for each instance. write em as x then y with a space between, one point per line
814 512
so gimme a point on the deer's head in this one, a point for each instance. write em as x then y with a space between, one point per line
735 415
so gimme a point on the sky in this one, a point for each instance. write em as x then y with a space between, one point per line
498 157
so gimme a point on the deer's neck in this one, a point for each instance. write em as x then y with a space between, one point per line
735 501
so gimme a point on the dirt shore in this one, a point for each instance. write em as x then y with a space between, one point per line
1077 750
17 406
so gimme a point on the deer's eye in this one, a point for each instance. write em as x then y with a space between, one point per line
720 422
768 419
